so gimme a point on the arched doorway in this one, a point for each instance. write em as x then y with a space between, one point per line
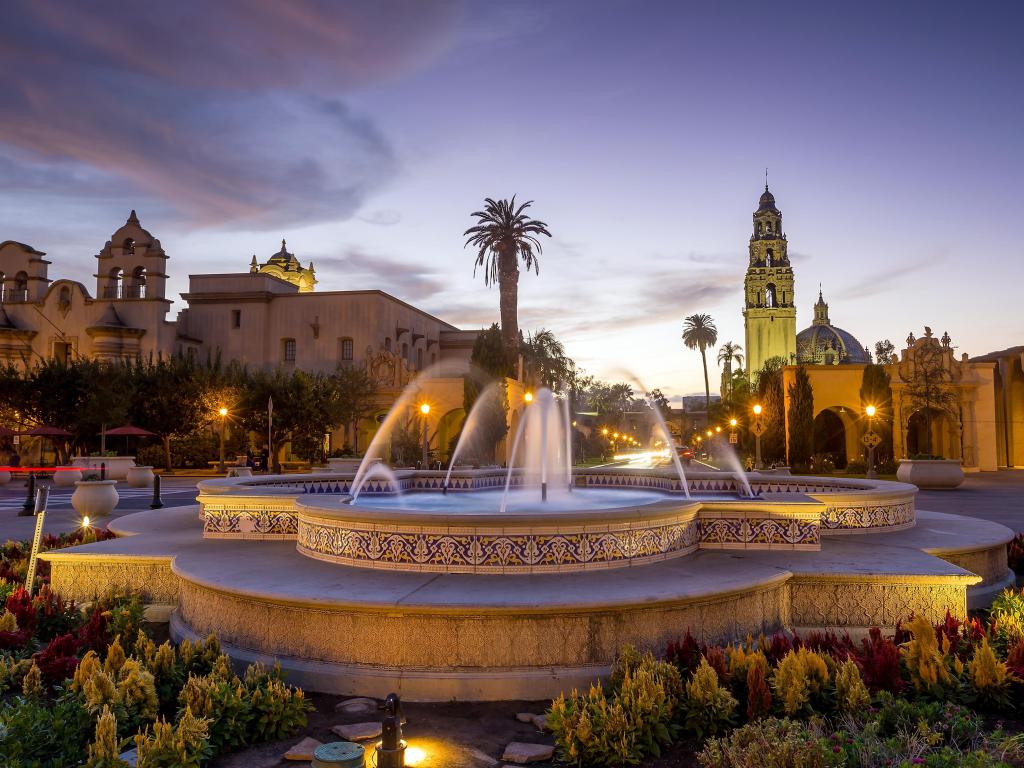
447 428
830 438
931 432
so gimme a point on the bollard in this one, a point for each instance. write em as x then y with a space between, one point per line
30 501
157 501
391 750
103 470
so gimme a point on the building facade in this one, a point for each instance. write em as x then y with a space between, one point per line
265 316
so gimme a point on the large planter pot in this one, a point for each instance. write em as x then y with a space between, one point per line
95 498
117 466
140 477
931 474
5 477
65 477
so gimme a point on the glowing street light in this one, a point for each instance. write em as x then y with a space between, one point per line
85 521
223 413
528 397
733 422
871 440
758 429
425 411
718 429
605 431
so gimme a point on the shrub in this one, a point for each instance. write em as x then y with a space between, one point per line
851 693
759 695
278 710
105 750
928 667
800 680
618 726
685 654
879 661
184 745
989 679
58 660
710 708
36 733
770 743
224 704
1007 614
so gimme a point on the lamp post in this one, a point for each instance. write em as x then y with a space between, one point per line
871 439
758 429
223 412
425 410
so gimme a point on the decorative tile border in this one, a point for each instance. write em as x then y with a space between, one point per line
893 515
483 550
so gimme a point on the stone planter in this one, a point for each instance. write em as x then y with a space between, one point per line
95 498
65 477
239 472
5 477
140 477
117 466
931 474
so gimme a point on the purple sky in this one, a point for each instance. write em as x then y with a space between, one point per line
365 133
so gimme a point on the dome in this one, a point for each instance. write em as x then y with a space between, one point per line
767 201
823 343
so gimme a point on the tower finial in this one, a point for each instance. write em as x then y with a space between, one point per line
283 245
766 178
820 298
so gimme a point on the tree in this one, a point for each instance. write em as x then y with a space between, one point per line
875 389
885 352
801 419
503 235
168 399
489 358
929 384
699 332
659 401
545 360
729 353
355 390
770 394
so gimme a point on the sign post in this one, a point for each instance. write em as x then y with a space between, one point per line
42 495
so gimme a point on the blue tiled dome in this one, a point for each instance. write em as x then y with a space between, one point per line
824 343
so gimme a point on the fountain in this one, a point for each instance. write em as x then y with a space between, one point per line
518 583
470 426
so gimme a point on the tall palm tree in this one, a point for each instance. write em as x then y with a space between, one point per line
699 332
727 354
503 235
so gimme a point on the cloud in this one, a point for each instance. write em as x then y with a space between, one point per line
873 284
227 112
382 218
406 281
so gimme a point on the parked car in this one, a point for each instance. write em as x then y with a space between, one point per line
685 453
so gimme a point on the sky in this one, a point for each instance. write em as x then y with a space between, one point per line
366 133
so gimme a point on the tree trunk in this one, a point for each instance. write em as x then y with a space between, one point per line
707 387
167 453
508 288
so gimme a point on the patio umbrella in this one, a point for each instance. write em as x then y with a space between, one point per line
44 430
127 431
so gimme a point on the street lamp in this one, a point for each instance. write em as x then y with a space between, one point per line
528 397
871 440
758 429
733 423
223 413
425 410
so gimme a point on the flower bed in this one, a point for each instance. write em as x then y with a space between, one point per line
927 695
92 683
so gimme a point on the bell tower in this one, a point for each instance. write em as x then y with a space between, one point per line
769 311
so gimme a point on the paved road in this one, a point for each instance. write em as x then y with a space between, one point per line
996 496
60 516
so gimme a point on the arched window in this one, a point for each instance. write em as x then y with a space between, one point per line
128 249
768 257
65 296
387 344
768 227
20 292
2 286
760 229
769 295
346 349
137 289
405 351
113 287
419 359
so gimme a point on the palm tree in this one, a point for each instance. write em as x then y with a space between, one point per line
728 353
699 332
502 235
